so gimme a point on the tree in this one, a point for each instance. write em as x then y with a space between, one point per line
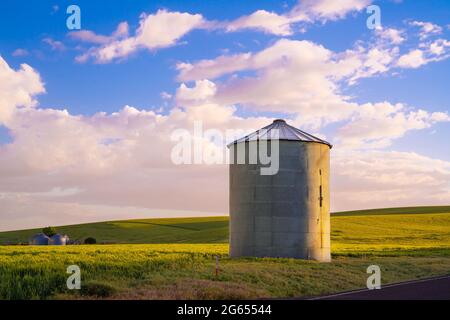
49 231
90 240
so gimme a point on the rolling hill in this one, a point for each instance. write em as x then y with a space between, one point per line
399 210
364 227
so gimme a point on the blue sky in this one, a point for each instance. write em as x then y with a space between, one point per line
138 79
151 73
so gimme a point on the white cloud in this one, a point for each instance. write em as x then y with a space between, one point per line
304 80
58 164
201 92
164 28
54 44
376 125
59 168
20 53
62 168
17 89
268 22
114 160
380 179
374 61
439 47
428 51
392 35
211 69
165 95
101 163
324 10
89 36
413 59
293 77
306 11
426 29
160 30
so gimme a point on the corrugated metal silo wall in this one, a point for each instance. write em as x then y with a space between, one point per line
282 215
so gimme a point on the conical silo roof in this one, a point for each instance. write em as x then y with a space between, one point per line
284 132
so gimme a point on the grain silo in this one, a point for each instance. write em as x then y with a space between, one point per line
285 214
39 239
58 240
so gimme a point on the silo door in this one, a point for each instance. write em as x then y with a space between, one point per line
320 191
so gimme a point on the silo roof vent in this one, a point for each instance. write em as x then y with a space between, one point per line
285 132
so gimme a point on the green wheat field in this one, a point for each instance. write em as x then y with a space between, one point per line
175 258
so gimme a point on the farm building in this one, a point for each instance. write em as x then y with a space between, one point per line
39 239
285 214
58 240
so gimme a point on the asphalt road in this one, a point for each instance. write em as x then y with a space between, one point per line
426 289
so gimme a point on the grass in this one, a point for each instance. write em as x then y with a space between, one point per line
405 246
397 233
399 210
174 230
176 271
215 229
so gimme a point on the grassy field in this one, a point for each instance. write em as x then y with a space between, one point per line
175 230
400 210
215 229
405 246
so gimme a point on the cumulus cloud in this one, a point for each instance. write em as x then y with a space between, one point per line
428 52
268 22
61 167
376 125
378 179
67 168
427 29
324 10
394 36
290 76
302 77
374 61
17 89
116 160
160 30
201 92
425 51
413 59
91 37
438 47
164 28
305 80
211 69
305 11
